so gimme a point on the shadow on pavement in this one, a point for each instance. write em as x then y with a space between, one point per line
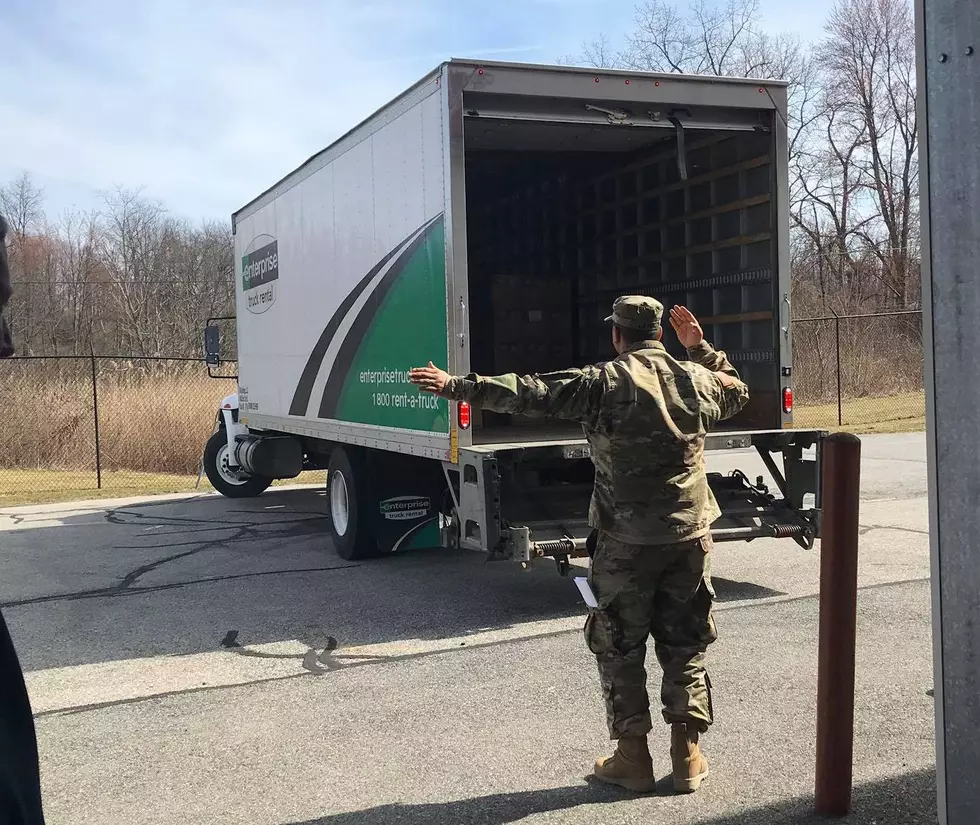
483 810
727 590
909 799
207 574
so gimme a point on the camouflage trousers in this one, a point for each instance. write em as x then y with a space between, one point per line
663 591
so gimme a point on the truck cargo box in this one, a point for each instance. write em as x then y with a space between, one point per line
487 219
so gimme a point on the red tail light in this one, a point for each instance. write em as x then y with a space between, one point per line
787 400
464 415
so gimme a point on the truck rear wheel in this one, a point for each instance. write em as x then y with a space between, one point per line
348 506
229 481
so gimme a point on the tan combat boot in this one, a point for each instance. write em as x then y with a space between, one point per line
629 767
690 766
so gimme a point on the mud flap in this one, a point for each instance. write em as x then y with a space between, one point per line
406 495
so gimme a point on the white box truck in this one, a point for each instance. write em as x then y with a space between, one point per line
486 219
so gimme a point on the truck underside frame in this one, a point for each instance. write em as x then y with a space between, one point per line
505 494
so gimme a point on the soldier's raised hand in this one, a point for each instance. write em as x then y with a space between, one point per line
688 330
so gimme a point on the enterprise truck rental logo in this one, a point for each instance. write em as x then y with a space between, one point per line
405 508
260 271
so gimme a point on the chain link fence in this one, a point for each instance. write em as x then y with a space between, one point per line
76 425
859 372
82 426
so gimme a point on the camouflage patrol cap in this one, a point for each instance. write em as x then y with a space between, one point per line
637 312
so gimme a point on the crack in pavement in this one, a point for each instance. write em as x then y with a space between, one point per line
125 585
116 517
243 531
112 593
316 513
267 530
256 529
135 575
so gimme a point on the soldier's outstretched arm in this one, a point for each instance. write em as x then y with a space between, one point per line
573 394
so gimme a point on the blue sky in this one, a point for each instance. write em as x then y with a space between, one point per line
204 103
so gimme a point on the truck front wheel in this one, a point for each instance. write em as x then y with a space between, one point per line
347 505
230 481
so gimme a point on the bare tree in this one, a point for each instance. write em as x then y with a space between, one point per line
869 62
708 39
22 203
82 280
129 243
827 184
598 53
851 129
127 280
718 40
705 38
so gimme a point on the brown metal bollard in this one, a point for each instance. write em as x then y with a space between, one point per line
841 459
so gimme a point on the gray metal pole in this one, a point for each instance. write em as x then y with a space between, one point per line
840 403
95 418
948 34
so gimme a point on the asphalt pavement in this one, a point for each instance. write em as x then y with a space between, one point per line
201 660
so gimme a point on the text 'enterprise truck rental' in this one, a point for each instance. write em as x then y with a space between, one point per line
486 219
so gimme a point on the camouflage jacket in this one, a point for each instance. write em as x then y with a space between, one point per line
645 415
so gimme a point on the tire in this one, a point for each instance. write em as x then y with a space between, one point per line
348 506
221 478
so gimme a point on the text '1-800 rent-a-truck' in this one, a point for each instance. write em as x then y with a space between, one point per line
489 216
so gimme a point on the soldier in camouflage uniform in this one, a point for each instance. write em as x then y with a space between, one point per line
645 415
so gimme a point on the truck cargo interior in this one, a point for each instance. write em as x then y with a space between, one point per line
563 217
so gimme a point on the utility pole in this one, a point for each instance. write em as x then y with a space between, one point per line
948 45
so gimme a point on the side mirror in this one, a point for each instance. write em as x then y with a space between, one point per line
212 346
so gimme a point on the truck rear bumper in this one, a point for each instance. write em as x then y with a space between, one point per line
526 501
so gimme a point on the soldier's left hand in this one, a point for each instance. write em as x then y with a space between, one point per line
430 378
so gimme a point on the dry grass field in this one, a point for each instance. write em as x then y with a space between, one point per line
900 413
154 421
153 424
